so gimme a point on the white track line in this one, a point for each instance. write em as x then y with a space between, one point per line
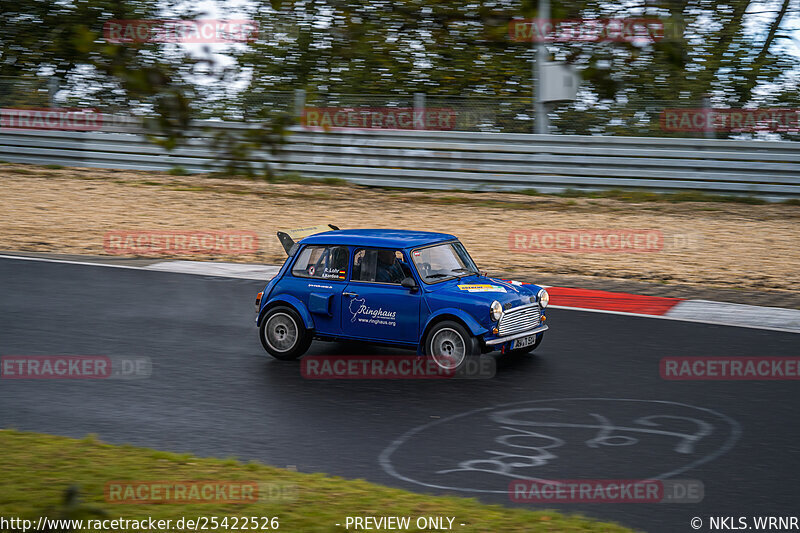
697 311
228 270
738 314
199 268
680 319
65 261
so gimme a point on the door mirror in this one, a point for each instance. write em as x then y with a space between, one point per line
409 283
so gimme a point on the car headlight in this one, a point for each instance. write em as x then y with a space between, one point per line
544 298
496 310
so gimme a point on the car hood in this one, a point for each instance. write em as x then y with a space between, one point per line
481 290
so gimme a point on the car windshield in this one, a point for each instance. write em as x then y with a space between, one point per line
443 261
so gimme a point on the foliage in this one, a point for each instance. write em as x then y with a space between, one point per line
740 53
463 48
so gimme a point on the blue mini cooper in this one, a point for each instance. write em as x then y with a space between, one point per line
411 289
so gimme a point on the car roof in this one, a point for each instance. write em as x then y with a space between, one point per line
388 238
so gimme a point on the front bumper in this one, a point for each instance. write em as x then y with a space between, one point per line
501 340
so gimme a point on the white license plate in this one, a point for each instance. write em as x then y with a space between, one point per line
523 342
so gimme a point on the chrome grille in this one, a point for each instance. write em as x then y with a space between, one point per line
519 319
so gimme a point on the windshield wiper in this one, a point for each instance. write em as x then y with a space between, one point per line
467 271
438 275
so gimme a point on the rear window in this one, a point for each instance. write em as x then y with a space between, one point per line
322 262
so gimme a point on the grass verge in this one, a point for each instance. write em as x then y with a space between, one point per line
38 469
445 196
639 196
623 195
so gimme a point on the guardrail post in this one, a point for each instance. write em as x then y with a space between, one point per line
709 132
419 108
299 103
52 90
541 118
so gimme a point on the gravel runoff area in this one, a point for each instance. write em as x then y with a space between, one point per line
652 247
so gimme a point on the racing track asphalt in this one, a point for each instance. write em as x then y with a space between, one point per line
214 393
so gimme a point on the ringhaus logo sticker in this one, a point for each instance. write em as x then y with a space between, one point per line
482 288
371 315
484 450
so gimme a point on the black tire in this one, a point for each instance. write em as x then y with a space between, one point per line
532 347
458 338
288 337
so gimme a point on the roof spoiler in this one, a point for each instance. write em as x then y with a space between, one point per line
288 237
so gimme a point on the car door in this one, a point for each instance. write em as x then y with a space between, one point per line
317 278
374 304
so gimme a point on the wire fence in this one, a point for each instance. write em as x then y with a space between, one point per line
24 92
587 115
681 118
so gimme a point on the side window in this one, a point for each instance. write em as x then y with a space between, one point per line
321 262
379 266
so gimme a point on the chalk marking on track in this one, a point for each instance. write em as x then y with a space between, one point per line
384 459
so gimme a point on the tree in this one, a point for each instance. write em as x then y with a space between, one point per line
64 40
462 48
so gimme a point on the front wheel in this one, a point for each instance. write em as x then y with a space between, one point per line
283 334
449 344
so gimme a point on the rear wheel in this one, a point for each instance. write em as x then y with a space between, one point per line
283 334
449 345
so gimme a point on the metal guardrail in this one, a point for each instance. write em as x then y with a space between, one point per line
449 160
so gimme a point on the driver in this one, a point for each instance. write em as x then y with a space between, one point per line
388 269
